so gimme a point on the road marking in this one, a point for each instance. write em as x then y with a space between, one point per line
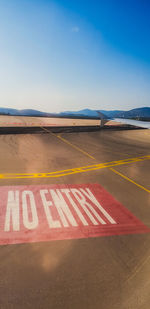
70 144
138 269
79 149
45 129
125 177
75 170
55 212
75 147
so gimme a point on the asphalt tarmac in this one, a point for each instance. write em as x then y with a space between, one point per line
99 272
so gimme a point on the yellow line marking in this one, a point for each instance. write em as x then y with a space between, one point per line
45 129
79 149
75 147
137 269
75 170
70 144
125 177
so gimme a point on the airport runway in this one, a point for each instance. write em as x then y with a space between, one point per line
87 272
28 121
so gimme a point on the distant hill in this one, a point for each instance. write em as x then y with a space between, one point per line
8 111
24 112
84 112
143 112
93 113
137 113
111 114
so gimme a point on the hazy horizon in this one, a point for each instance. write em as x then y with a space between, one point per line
71 110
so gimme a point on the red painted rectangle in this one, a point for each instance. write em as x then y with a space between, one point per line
52 212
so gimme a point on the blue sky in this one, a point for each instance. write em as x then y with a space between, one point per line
70 55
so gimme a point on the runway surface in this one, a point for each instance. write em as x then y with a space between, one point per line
98 269
28 121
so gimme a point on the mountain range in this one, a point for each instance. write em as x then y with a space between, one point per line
137 113
143 112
